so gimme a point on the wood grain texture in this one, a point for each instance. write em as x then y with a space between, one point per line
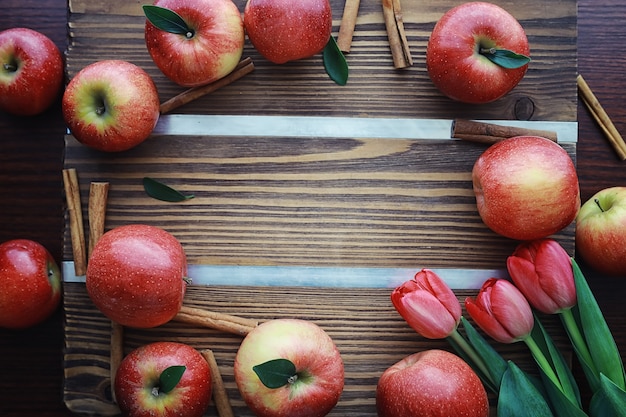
368 332
306 201
114 29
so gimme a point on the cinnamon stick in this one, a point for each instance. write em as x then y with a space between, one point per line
214 320
220 396
244 67
98 194
348 23
394 25
601 117
489 133
77 232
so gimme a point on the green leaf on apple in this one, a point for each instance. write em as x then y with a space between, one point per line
170 377
167 20
160 191
276 373
505 58
335 62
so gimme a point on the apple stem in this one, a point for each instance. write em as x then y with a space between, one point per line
292 379
597 201
485 51
155 391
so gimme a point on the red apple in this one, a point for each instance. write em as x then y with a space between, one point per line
136 275
311 382
461 46
111 105
30 284
142 389
205 46
31 72
431 383
526 188
286 30
601 231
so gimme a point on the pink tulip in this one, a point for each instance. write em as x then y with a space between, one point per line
542 270
501 311
428 305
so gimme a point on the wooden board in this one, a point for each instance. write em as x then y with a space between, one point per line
316 201
114 29
306 201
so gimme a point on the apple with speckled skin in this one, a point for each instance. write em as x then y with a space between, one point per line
140 389
30 284
31 72
137 275
310 389
431 383
526 187
460 48
601 231
286 30
111 105
208 49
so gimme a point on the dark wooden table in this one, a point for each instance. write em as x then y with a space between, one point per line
32 202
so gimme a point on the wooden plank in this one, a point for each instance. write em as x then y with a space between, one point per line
306 201
368 332
114 29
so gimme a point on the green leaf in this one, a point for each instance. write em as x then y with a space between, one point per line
604 352
519 397
276 373
568 386
170 377
492 359
608 401
167 20
335 62
571 322
160 191
505 58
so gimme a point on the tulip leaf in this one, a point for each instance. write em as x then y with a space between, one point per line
495 364
167 20
608 401
566 383
276 373
170 377
600 342
519 397
160 191
505 58
335 62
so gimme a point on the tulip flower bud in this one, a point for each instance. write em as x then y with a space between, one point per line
501 311
428 305
542 270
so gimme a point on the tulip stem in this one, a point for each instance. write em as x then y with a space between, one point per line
543 362
472 355
578 340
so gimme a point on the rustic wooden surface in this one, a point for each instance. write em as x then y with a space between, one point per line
305 201
348 202
31 203
114 29
363 324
